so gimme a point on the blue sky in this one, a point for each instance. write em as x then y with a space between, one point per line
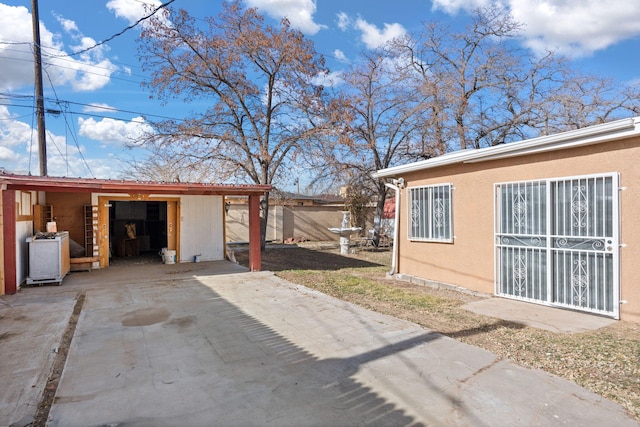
101 102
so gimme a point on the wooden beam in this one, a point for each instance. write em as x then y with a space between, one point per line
254 233
9 240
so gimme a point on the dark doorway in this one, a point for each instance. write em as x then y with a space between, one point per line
137 229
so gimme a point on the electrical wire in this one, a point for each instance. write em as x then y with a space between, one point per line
69 128
116 110
15 118
135 24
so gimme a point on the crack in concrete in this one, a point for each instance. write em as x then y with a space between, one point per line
49 392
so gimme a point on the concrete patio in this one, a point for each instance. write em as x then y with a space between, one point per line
210 344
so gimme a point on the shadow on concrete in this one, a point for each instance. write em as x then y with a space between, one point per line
297 258
486 328
204 360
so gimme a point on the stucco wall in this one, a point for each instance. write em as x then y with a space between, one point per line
469 260
309 222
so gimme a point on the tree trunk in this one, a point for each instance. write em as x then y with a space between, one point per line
264 216
382 197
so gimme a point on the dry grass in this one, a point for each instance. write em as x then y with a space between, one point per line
605 361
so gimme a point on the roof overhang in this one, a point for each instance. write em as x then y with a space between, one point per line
597 134
86 185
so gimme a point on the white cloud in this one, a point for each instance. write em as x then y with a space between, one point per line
7 155
330 79
340 56
98 107
344 21
298 12
114 131
572 27
95 76
454 6
16 59
374 37
68 25
132 10
14 138
576 27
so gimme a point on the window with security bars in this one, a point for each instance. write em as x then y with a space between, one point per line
430 213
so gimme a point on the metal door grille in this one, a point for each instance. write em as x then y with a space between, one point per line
557 242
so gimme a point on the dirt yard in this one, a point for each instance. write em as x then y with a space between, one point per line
606 361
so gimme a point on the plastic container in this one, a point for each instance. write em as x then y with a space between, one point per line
168 256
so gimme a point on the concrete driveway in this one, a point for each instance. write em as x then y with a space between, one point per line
208 344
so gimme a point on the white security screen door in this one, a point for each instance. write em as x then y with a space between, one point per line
557 242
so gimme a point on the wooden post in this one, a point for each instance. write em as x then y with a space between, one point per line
9 240
37 63
254 233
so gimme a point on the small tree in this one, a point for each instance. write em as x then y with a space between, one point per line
376 125
357 202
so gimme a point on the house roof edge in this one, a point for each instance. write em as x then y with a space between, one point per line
590 135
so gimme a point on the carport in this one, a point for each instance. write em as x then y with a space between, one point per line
186 208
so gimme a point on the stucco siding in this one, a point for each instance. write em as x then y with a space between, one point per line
201 228
469 260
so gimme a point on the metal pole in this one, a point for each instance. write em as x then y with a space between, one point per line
37 64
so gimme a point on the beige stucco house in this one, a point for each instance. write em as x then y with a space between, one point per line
551 220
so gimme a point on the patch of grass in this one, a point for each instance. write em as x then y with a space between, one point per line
345 284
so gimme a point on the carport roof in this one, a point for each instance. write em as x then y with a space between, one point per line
91 185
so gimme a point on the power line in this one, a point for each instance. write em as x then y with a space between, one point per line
58 101
73 136
110 76
15 118
135 24
70 60
77 113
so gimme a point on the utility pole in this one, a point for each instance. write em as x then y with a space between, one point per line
37 65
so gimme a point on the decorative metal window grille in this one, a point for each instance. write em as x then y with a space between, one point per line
430 213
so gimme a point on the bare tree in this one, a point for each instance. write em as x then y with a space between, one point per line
256 78
378 123
440 90
481 89
166 165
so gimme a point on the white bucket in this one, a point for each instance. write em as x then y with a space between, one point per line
168 257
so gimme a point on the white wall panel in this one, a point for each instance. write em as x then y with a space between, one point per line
23 230
201 228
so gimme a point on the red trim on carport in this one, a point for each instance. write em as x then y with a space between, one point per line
254 233
9 239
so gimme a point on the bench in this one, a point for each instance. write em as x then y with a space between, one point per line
83 263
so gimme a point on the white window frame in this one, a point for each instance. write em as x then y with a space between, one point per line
427 223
